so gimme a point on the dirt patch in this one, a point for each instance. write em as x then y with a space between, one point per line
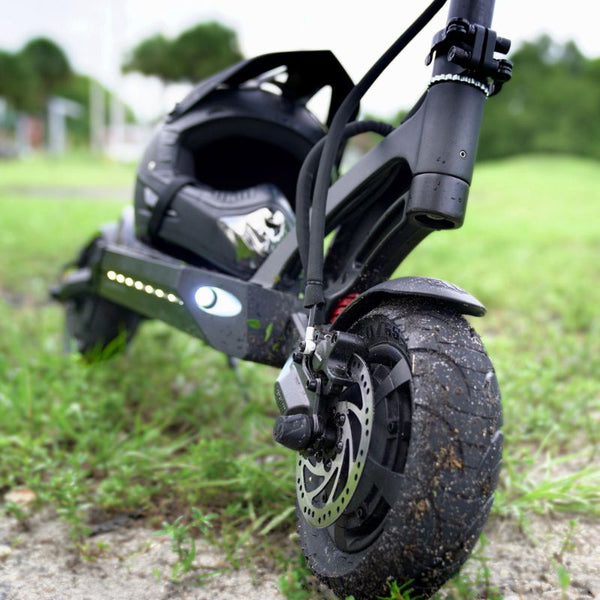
135 564
523 565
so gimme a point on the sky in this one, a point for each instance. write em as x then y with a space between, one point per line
96 35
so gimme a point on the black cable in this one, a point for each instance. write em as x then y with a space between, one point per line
314 296
306 177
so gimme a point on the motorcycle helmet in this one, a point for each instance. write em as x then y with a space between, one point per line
216 184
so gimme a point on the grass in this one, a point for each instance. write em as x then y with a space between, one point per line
162 430
529 250
80 170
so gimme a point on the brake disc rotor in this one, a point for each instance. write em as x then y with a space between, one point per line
325 486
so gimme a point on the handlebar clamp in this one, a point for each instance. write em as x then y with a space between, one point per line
472 47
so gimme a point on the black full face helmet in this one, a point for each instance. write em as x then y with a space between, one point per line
216 184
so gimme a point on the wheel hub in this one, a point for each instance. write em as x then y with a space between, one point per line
326 482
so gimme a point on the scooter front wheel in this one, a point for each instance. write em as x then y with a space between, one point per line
419 453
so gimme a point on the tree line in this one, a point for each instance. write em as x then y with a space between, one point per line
194 54
41 69
29 77
552 103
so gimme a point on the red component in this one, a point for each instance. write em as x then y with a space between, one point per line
341 305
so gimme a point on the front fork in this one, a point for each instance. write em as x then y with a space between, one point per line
438 143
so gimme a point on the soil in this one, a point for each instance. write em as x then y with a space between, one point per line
524 564
38 564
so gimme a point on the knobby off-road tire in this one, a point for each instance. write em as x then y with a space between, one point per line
97 328
427 486
94 326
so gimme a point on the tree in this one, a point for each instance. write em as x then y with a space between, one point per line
41 69
195 54
205 49
151 57
17 81
50 65
552 104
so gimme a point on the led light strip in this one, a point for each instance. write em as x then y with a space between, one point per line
143 287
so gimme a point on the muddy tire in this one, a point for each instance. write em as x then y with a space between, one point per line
96 327
433 460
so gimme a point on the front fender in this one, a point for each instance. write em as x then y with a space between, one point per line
424 287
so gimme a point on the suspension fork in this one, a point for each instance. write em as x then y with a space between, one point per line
450 129
435 147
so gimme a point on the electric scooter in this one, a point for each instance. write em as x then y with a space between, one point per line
386 393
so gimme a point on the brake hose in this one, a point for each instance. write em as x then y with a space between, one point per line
306 177
314 297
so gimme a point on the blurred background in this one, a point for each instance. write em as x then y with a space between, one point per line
82 84
98 75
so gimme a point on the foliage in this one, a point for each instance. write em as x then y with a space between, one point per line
294 583
50 64
17 81
183 541
399 592
552 104
77 88
205 49
151 57
195 54
41 69
29 77
159 436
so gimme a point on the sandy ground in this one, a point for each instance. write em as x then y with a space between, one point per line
524 564
37 565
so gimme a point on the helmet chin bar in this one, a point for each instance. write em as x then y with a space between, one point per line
216 177
256 234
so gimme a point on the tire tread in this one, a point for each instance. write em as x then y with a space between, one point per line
459 441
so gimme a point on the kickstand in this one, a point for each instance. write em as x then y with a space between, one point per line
233 364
